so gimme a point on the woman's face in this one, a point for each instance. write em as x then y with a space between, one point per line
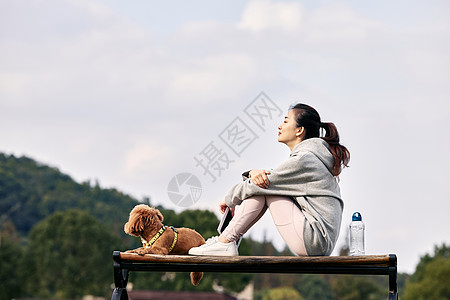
288 132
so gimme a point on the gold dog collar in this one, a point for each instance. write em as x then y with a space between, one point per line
175 238
153 240
160 232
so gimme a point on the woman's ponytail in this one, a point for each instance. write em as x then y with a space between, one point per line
340 152
309 118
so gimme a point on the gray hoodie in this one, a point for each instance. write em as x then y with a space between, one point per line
306 177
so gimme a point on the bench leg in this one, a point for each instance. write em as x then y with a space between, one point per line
393 292
119 294
393 296
120 281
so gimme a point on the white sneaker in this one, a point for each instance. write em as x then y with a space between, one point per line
214 247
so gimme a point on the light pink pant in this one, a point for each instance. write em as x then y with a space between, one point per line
287 217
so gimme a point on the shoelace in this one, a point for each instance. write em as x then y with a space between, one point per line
211 240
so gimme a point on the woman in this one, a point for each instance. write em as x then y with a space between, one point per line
302 194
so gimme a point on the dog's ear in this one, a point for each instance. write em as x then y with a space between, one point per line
135 225
159 215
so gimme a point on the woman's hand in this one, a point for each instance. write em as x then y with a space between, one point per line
259 177
223 207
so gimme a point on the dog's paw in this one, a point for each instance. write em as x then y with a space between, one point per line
141 251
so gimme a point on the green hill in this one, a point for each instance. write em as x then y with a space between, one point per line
30 192
47 217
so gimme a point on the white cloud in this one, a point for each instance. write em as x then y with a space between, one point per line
209 75
261 15
145 156
338 24
13 84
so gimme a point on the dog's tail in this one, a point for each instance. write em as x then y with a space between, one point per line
196 277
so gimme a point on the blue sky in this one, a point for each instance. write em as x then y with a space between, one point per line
128 93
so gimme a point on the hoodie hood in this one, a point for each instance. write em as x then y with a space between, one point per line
317 146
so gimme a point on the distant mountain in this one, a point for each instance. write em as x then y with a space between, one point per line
31 191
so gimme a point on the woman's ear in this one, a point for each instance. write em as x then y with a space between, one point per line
300 131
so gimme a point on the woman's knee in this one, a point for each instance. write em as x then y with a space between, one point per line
253 203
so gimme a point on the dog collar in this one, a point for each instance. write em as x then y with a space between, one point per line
160 232
175 238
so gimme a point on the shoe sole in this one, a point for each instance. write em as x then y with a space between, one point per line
213 253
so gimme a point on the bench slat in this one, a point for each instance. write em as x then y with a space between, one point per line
381 260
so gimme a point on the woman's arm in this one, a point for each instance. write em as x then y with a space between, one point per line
259 177
283 180
300 175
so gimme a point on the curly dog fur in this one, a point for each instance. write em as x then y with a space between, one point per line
146 221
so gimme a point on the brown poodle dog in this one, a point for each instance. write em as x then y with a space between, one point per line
146 223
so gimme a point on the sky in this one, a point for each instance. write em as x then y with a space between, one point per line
142 95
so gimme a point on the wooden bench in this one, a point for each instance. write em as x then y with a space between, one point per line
364 265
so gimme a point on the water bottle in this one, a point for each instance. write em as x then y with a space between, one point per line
357 235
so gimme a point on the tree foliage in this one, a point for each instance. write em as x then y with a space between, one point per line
431 280
314 287
70 256
282 293
30 192
10 257
351 287
205 222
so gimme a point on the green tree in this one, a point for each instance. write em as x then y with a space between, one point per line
69 255
314 287
431 279
282 293
352 287
204 222
10 256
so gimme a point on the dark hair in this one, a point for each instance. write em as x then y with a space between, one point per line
308 118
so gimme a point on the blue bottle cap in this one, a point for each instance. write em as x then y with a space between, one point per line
356 217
